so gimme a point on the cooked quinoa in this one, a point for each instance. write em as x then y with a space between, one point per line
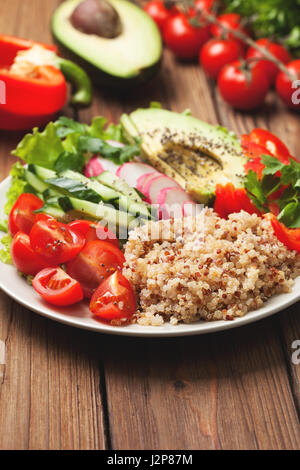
206 268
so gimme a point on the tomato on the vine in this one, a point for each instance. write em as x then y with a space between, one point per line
182 38
217 53
278 51
243 88
95 263
158 12
288 87
23 256
114 299
57 288
55 242
22 216
229 20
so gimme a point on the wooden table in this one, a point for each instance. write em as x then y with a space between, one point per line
63 388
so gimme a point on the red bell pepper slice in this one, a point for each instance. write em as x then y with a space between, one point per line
29 101
229 200
290 237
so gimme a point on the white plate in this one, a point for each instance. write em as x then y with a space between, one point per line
79 315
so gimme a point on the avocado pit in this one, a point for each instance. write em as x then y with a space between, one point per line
97 17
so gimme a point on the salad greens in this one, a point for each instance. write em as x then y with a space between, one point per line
283 182
63 145
272 18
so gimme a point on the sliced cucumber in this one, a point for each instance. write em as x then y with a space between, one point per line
112 181
106 194
41 172
53 210
35 182
109 216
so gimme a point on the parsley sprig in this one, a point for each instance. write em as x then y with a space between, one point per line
276 176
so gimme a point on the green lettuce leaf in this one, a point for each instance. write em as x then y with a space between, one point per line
5 255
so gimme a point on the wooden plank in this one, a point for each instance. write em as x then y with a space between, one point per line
50 385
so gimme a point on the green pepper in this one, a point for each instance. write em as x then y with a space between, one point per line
81 84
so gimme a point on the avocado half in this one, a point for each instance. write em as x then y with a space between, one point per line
129 59
196 154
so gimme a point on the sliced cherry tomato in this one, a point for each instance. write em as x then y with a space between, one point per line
158 12
288 87
57 288
280 52
242 88
21 217
55 242
290 237
217 53
23 256
182 38
230 200
94 231
229 20
114 299
95 263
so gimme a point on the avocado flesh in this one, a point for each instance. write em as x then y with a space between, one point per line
196 154
130 57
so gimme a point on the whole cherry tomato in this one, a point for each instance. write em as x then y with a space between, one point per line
244 89
94 231
217 53
276 50
182 38
23 256
21 217
158 12
55 242
95 263
57 288
114 299
229 20
288 87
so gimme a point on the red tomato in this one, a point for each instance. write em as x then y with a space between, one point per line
229 200
288 88
94 231
21 217
114 299
55 242
95 263
290 237
277 50
158 12
201 5
182 38
242 89
229 20
57 288
217 53
23 256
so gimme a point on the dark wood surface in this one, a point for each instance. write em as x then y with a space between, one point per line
63 388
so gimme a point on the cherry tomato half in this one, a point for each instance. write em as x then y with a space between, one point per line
55 242
114 299
95 263
288 88
182 38
57 288
23 256
217 53
94 231
243 89
280 52
21 217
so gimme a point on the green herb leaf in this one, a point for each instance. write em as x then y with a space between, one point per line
290 215
255 191
272 165
69 161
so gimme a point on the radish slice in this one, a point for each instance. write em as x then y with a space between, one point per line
131 171
191 208
142 180
97 165
171 201
114 143
154 185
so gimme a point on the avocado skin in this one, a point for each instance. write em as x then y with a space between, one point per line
99 77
